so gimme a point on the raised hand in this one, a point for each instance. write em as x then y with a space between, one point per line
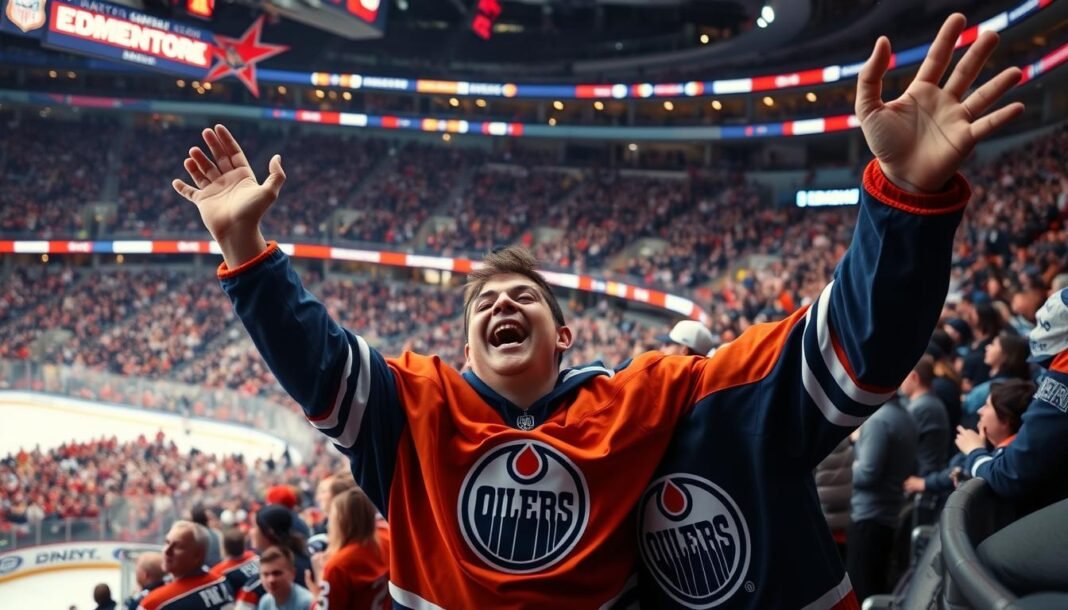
924 136
230 199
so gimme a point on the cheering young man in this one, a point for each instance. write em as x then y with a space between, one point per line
514 484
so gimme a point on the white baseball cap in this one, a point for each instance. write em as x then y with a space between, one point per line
691 334
1049 337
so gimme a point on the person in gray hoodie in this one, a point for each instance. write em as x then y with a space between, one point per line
885 455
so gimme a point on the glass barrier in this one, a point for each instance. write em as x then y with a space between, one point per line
283 421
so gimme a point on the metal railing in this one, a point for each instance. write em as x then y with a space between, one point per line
160 395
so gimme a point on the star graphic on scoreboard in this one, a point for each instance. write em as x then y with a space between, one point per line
239 56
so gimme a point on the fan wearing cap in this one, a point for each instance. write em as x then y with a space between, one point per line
1031 469
688 338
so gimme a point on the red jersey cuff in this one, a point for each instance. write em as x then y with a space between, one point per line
226 273
952 199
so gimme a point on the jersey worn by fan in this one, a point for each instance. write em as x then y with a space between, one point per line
492 506
744 529
203 591
356 576
238 571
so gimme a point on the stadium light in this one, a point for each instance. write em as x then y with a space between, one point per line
704 38
180 83
768 101
632 147
810 96
761 23
598 105
282 89
558 105
717 105
347 96
454 102
768 14
669 106
552 121
481 103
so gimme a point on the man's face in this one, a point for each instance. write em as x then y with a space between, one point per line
511 330
180 555
277 577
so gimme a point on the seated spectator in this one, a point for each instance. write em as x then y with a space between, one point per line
191 587
1031 469
278 574
149 575
102 597
1006 356
999 419
356 568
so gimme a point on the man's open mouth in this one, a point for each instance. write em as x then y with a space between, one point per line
507 333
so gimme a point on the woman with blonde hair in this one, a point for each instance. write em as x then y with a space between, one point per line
356 570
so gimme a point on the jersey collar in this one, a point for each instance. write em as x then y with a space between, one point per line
566 381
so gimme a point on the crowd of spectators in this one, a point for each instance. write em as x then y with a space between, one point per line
130 490
39 165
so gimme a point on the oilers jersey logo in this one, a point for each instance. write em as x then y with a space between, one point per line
693 540
523 507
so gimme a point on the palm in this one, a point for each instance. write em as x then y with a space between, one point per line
922 137
228 194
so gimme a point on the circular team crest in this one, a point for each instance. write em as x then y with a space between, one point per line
523 507
693 540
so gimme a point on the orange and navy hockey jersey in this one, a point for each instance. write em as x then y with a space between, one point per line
491 506
239 571
732 519
203 591
356 577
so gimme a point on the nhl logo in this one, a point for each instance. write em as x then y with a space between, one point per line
693 540
523 507
26 15
525 422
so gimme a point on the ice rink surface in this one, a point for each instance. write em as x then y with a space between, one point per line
39 419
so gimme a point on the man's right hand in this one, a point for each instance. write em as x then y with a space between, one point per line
230 199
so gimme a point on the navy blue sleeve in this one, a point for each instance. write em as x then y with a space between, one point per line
872 323
1037 458
941 482
343 385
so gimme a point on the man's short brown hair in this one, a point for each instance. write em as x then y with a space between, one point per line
512 259
925 371
275 553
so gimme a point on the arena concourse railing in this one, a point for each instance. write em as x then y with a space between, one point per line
161 395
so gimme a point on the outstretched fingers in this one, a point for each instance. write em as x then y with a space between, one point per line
990 123
984 97
870 79
218 151
276 177
971 64
194 172
204 164
185 190
941 51
230 146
